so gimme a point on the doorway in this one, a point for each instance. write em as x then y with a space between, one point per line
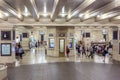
61 47
42 37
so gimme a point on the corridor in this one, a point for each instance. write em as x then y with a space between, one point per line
37 56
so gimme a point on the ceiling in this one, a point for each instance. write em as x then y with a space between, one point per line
59 11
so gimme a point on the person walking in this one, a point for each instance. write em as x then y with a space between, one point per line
67 51
20 51
83 51
91 52
17 52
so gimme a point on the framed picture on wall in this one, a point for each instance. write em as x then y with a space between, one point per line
51 35
51 43
5 49
5 35
25 35
87 35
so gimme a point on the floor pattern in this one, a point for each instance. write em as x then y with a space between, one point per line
65 71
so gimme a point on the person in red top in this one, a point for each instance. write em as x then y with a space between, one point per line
67 51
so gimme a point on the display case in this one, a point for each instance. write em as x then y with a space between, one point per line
51 43
71 43
5 49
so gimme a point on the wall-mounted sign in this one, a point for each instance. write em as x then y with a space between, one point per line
42 32
51 35
5 35
51 43
87 34
62 34
5 49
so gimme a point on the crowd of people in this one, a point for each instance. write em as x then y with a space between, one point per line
89 51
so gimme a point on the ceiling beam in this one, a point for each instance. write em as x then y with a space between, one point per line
81 7
20 7
108 15
31 5
11 10
115 18
104 9
58 4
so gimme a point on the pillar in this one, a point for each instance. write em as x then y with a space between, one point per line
116 51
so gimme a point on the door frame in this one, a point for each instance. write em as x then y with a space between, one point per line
62 54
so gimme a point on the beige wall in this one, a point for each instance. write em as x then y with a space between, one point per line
7 59
96 34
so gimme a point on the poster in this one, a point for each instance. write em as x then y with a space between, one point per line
5 49
51 43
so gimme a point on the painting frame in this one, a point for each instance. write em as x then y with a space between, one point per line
5 49
6 35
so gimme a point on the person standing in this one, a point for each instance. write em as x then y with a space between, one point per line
67 51
20 51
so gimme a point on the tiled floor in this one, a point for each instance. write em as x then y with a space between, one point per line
38 56
65 71
36 66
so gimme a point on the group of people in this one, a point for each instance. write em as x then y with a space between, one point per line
36 44
89 51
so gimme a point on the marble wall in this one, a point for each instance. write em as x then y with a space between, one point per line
8 59
96 35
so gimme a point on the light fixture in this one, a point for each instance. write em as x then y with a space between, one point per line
63 14
45 14
26 12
